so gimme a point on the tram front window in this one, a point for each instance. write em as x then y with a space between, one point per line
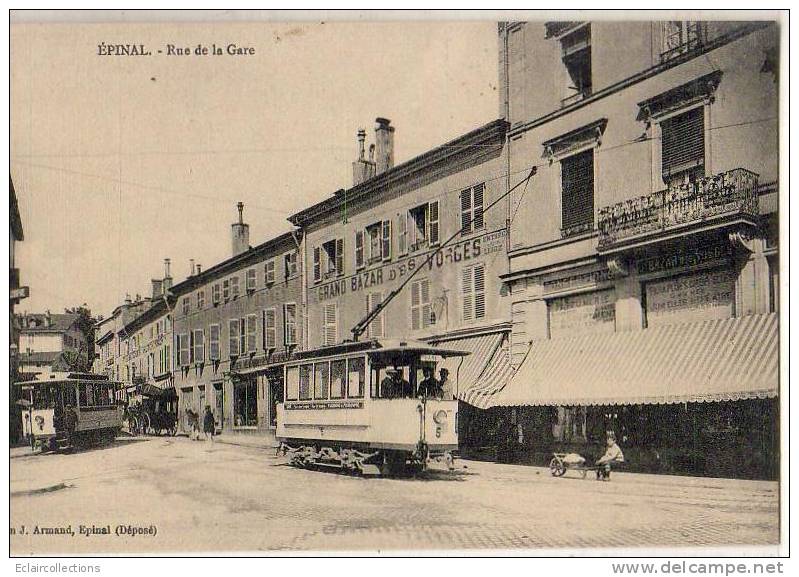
393 383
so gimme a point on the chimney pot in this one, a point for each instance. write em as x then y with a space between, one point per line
191 267
240 233
199 268
384 139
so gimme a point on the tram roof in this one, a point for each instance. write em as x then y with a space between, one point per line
383 349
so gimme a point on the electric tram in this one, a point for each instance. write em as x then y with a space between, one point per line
69 409
364 407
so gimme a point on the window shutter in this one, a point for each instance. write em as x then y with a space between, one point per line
402 233
270 335
415 308
233 338
191 347
213 344
317 264
466 210
434 233
339 256
251 279
477 206
683 142
577 179
242 336
427 310
386 249
330 329
375 328
479 291
269 271
290 324
359 249
466 293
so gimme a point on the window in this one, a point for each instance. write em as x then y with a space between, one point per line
683 146
378 243
200 300
375 328
421 311
245 403
226 289
292 383
306 372
359 250
317 264
186 305
576 56
184 356
374 243
216 294
234 287
269 272
329 324
270 329
199 346
423 228
338 375
356 377
472 208
290 324
577 193
473 291
290 264
681 37
252 279
402 234
252 333
321 380
213 342
233 338
333 255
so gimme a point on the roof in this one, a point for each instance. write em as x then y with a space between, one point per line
13 212
234 263
60 323
465 144
715 360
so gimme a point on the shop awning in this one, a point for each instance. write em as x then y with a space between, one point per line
717 360
483 372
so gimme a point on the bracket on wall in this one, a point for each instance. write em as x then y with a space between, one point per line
618 267
742 241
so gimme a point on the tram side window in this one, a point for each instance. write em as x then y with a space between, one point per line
338 369
305 382
292 383
321 380
356 377
70 395
85 398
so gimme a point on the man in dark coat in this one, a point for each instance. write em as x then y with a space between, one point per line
209 426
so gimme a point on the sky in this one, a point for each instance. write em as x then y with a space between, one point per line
121 161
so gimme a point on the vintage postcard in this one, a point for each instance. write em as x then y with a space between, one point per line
291 283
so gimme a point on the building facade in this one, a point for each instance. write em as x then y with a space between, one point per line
653 214
51 342
430 235
235 325
16 294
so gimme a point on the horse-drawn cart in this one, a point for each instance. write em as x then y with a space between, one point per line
151 410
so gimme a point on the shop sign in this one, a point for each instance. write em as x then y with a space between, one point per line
685 259
583 313
465 250
694 297
576 281
310 405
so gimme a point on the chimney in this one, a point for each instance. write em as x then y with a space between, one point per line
127 299
48 319
167 284
199 268
384 139
363 169
192 268
158 288
241 233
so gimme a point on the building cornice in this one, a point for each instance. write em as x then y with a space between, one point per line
639 77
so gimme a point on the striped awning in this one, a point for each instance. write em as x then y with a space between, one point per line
483 372
716 360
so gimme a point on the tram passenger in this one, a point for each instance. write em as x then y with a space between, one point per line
429 387
445 385
394 386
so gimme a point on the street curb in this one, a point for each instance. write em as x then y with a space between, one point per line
41 490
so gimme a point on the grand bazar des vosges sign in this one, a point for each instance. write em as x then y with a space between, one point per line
459 252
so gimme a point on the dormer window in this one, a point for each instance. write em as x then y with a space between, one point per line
575 48
681 37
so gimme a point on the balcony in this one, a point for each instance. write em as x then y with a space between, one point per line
723 198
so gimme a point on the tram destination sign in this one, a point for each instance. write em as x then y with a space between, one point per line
312 405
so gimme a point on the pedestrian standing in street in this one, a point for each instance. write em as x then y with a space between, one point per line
208 424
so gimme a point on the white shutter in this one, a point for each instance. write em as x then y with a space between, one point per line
479 291
477 206
317 264
402 233
251 279
415 305
375 328
467 293
329 331
270 333
433 226
290 324
252 333
466 211
359 249
213 342
426 308
339 256
269 272
386 240
233 338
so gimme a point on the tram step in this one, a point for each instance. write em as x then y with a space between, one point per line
370 469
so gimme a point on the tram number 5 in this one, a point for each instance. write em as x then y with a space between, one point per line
438 431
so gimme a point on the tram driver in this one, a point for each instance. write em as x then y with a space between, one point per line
429 387
394 386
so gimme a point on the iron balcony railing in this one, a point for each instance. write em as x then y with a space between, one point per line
725 194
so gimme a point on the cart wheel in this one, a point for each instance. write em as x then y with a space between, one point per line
557 468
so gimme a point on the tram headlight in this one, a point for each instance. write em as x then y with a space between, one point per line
440 417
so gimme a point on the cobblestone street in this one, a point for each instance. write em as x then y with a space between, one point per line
220 497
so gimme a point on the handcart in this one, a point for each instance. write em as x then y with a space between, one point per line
562 462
